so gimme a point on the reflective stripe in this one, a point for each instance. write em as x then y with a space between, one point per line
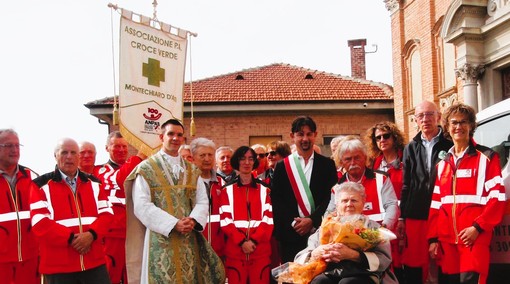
102 204
38 205
226 209
38 217
267 220
76 221
435 204
480 182
11 216
459 199
47 204
246 224
24 214
225 222
496 194
214 218
436 190
490 184
379 181
103 210
116 200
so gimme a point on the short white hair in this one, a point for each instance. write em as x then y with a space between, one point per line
349 186
200 142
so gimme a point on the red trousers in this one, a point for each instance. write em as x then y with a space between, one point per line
416 249
115 249
458 258
253 270
20 272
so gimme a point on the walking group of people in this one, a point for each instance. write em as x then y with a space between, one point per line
204 214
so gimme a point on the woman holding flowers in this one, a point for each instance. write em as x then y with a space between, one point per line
467 202
349 244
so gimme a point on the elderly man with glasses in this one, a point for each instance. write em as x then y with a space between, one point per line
20 251
420 158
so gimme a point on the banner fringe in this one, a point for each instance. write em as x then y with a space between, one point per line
137 143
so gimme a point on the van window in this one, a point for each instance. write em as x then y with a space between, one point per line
495 133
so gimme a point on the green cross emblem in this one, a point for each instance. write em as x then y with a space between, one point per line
153 72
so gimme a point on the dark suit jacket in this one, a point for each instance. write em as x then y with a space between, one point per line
285 207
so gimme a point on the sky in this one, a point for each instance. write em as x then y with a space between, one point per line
56 56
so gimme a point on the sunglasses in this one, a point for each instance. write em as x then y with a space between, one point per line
386 136
272 153
262 155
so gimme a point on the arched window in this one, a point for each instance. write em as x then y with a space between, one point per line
412 64
415 80
449 65
445 58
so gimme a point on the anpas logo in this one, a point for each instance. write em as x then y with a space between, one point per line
151 119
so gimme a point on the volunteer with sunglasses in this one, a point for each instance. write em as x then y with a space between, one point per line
276 151
385 143
260 150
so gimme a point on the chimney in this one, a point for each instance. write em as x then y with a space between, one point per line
358 58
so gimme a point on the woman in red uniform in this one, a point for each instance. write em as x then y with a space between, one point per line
246 217
467 202
385 143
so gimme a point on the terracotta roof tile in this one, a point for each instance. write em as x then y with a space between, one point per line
284 82
280 83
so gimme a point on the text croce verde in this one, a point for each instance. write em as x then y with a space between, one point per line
148 92
147 47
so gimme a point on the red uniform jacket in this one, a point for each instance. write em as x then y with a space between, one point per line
395 172
57 214
246 213
112 177
17 242
217 237
468 194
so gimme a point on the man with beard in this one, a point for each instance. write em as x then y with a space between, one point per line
381 204
301 189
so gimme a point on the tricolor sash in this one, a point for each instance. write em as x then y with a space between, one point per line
300 186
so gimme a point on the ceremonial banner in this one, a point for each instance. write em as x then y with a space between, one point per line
152 64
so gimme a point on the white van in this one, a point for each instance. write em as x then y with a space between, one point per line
494 131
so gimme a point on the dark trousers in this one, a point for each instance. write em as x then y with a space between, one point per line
96 275
289 249
324 279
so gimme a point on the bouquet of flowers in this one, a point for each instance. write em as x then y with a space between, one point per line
352 231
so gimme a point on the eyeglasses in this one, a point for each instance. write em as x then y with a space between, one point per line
386 136
272 153
455 123
11 146
425 114
261 155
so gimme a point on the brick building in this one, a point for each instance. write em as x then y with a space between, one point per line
257 105
447 51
